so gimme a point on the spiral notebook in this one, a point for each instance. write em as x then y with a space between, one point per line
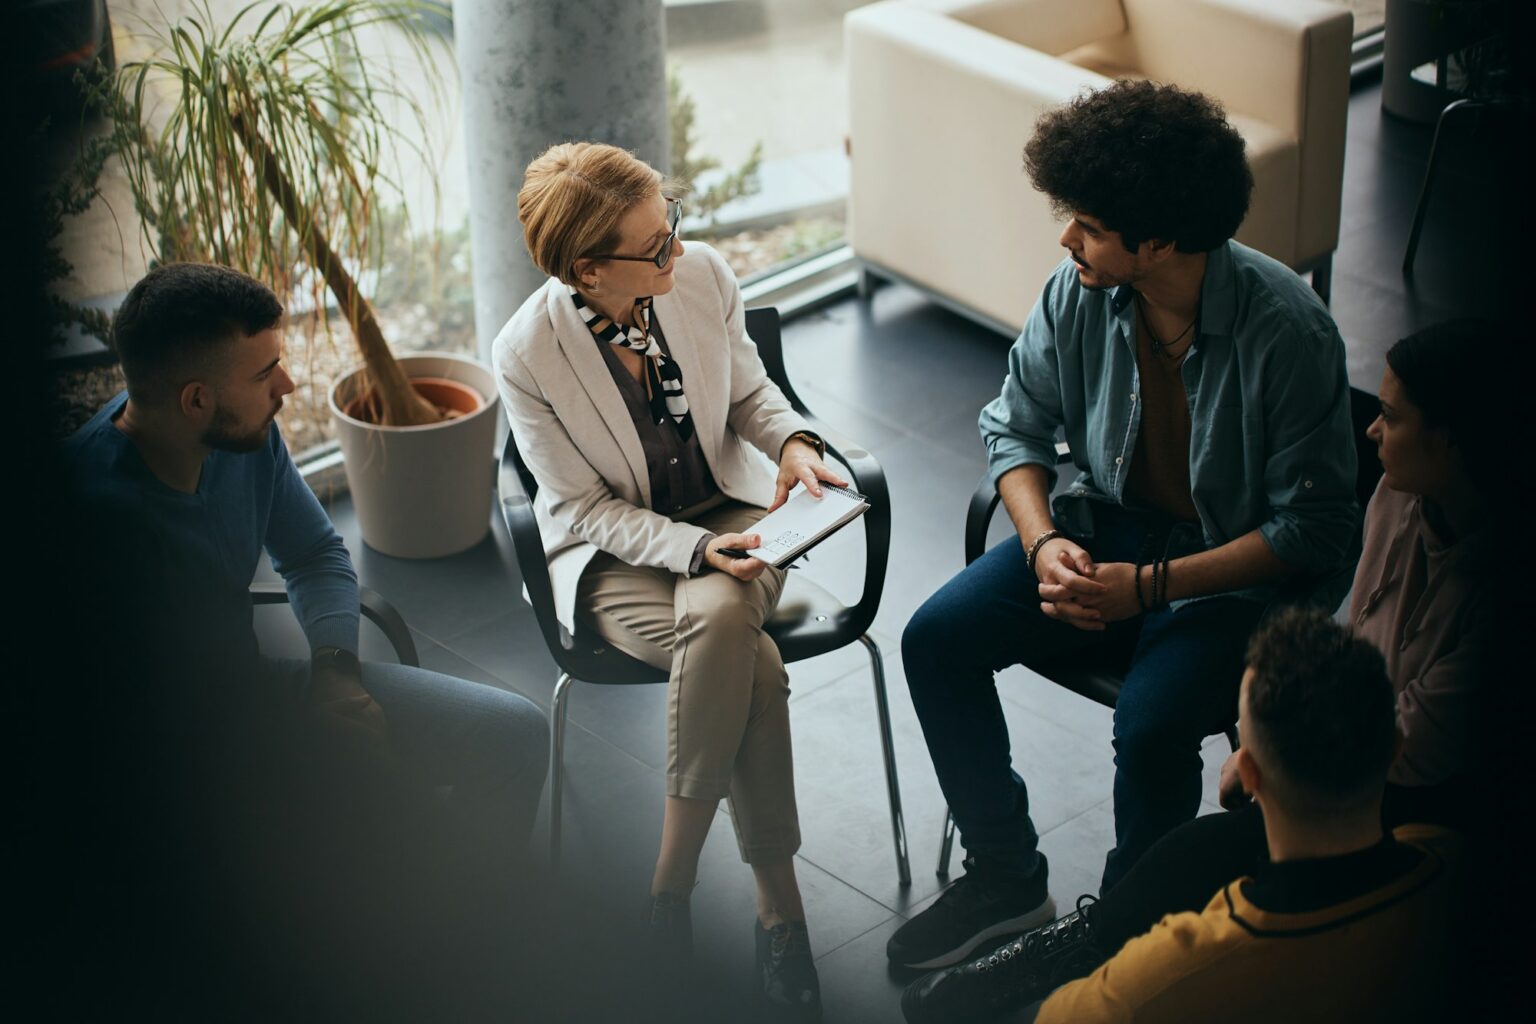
803 521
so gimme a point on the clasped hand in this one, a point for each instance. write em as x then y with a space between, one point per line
1080 592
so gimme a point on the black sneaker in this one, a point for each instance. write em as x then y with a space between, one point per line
982 904
668 928
787 973
1011 976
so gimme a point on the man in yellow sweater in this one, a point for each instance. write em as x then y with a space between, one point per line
1345 922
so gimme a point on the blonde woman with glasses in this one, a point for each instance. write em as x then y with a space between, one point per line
644 413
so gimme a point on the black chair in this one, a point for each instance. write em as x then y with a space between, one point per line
1100 681
808 621
371 604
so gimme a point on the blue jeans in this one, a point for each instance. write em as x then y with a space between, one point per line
1183 669
490 746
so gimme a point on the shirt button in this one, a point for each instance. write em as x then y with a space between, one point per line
673 462
677 508
1133 396
1118 460
1307 484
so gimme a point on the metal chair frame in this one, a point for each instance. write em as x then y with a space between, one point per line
800 633
374 608
1099 684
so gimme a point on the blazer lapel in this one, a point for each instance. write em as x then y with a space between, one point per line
684 339
581 351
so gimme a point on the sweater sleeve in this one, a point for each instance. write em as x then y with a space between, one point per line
311 557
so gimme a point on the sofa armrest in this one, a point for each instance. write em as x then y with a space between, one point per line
938 115
1050 26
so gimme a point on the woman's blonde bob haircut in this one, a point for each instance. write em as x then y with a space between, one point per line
572 200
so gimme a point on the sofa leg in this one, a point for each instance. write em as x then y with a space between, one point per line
868 282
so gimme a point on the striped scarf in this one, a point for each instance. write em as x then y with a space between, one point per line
663 377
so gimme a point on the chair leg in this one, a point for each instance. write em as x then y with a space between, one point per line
556 761
893 787
1446 116
947 843
1322 278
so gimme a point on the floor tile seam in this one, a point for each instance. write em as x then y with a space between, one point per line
487 620
856 938
838 400
877 901
1085 811
608 743
1003 694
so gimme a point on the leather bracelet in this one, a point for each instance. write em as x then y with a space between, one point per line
1140 599
1034 548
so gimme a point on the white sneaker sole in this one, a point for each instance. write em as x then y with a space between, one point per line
1045 913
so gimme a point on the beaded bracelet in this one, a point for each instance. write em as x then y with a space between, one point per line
1034 549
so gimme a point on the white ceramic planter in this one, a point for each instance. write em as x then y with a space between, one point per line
422 492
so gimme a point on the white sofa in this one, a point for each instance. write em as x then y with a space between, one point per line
944 94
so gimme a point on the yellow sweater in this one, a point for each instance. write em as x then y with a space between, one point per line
1380 956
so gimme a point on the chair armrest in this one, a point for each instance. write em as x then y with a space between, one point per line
373 606
523 528
978 515
869 480
388 619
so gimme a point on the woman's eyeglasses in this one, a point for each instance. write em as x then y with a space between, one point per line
662 256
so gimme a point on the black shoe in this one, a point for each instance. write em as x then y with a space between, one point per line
1011 976
668 928
788 975
984 903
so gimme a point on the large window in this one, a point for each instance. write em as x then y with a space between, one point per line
766 88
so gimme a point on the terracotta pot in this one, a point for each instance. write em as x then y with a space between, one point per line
445 394
423 492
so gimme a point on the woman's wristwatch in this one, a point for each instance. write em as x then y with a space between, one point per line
810 439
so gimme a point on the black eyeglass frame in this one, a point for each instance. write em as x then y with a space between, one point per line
664 254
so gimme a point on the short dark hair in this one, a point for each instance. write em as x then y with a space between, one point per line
1321 711
1444 370
1150 161
180 314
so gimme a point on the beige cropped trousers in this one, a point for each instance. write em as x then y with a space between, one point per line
727 694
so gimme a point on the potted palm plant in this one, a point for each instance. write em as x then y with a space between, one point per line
262 142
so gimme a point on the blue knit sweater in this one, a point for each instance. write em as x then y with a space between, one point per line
182 563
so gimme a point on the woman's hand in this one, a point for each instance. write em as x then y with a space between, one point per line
744 569
800 463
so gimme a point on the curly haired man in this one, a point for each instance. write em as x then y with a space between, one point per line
1200 386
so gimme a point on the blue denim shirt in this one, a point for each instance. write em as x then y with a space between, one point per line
1271 442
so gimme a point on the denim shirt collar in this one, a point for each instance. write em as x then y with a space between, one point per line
1218 295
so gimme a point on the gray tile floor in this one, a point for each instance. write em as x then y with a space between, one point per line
906 379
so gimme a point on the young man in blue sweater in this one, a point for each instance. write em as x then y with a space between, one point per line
189 480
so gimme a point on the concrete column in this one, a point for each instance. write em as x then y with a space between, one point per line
538 72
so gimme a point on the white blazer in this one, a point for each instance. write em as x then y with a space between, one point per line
575 433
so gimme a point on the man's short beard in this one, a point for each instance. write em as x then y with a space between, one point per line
221 435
